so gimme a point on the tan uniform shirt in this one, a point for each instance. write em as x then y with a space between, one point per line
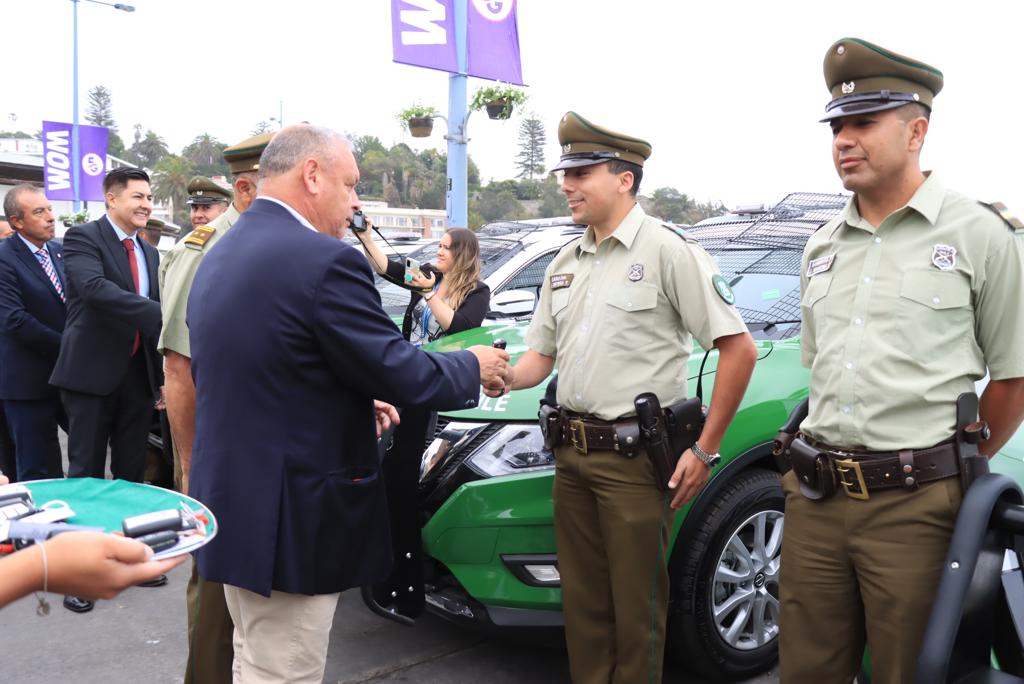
177 270
620 317
900 320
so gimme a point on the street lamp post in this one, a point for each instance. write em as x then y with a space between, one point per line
75 162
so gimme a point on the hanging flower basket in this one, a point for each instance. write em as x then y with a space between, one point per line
498 100
420 126
499 109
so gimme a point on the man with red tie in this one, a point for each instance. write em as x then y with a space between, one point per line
31 323
108 370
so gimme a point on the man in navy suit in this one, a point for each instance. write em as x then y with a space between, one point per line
7 466
108 370
31 322
290 349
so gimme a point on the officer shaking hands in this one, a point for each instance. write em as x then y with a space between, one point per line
909 297
618 311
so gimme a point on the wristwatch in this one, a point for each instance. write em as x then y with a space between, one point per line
710 460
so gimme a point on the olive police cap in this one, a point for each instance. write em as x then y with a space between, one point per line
202 190
867 78
155 224
584 144
245 156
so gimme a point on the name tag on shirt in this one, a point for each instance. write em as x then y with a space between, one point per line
820 265
560 280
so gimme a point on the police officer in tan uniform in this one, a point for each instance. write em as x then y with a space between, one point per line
209 624
618 313
206 200
909 297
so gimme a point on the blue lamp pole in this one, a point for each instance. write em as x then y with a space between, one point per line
458 117
76 171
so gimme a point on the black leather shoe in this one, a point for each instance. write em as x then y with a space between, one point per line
78 605
158 581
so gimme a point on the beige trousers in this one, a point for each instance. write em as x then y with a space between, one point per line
283 638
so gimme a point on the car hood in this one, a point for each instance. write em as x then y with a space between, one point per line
522 405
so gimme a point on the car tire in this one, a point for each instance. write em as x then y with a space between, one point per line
730 564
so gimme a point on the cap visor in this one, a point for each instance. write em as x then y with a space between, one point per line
574 163
855 108
205 200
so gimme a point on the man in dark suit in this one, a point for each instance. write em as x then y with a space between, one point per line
7 465
290 348
108 370
31 322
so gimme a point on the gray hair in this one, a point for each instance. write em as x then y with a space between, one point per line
12 201
295 144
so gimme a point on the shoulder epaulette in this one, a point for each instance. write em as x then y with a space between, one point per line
679 232
1006 215
199 236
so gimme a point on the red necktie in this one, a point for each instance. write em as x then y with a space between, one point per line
129 246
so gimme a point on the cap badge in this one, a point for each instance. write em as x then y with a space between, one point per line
916 97
636 272
944 257
848 87
566 148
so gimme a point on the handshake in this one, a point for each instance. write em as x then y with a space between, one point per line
495 372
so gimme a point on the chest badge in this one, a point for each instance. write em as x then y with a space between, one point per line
636 272
820 265
560 280
944 257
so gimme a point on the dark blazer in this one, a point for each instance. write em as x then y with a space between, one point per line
289 347
31 320
104 312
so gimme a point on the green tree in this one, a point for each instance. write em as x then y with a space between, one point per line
207 155
170 184
552 199
17 134
532 139
100 112
147 150
493 206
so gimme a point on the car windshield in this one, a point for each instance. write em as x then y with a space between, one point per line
493 253
767 288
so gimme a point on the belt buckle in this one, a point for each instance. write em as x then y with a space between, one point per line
847 465
578 435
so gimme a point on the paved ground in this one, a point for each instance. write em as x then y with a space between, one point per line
140 637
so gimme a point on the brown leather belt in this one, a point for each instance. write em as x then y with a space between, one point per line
860 472
586 433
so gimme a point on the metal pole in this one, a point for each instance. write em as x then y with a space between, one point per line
458 155
74 118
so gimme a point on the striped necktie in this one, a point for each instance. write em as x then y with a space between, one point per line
51 272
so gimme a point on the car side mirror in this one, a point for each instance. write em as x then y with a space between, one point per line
512 303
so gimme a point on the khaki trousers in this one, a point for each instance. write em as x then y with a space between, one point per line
611 529
282 638
856 572
210 632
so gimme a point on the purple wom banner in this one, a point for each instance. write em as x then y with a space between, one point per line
493 41
58 169
423 34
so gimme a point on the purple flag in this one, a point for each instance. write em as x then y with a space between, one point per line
423 33
58 171
493 42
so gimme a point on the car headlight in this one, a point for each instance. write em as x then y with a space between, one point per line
453 438
514 448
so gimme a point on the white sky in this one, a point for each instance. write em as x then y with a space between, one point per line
728 93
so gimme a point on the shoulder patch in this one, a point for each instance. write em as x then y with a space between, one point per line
1006 215
200 236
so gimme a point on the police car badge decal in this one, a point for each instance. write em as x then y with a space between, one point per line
723 289
944 257
636 272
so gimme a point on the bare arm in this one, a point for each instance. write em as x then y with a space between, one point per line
530 370
737 356
180 395
1002 407
374 254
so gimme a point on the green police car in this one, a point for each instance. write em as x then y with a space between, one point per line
485 479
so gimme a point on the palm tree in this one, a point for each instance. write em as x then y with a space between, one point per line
170 182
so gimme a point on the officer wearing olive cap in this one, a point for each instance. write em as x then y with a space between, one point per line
909 297
618 312
153 230
206 200
209 623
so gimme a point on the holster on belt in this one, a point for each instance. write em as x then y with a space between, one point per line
970 432
813 471
684 421
550 425
654 430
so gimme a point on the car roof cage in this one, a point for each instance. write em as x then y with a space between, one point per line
789 223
